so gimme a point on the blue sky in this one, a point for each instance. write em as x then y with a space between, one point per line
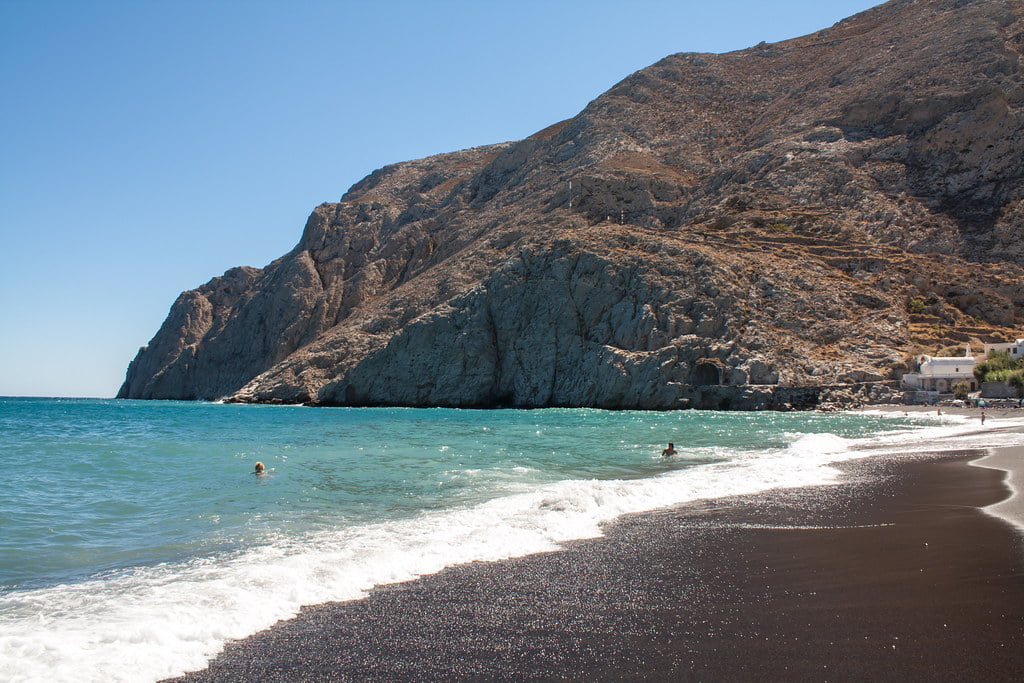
149 146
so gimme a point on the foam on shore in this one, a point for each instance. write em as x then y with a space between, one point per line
895 575
1011 461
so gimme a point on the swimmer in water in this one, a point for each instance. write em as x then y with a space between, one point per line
259 470
671 450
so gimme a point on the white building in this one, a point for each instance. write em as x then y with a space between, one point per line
941 373
1015 349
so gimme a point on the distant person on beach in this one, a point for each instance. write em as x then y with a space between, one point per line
671 450
259 470
982 417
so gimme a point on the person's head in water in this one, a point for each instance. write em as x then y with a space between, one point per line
259 468
671 450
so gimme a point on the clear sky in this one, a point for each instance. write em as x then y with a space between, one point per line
149 146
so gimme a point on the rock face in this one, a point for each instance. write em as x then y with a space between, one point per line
778 226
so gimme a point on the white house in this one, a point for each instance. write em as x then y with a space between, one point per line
1015 349
941 373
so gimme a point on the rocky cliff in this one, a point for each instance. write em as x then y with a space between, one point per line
783 225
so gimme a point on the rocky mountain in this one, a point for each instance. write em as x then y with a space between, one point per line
779 226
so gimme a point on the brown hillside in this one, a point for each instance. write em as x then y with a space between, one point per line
742 230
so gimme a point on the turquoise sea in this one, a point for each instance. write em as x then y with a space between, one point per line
135 538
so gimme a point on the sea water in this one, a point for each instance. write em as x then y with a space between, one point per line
135 539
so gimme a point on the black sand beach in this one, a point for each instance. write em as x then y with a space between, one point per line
895 574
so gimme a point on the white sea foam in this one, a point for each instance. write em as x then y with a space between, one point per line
947 432
158 622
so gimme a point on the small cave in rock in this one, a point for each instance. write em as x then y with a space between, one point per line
706 375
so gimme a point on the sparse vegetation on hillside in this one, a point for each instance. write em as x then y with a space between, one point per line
1000 367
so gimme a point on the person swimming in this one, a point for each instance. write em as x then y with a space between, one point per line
259 469
671 450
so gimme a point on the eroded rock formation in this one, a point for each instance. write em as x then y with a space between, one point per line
742 230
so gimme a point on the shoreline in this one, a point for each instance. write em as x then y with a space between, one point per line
906 568
1011 462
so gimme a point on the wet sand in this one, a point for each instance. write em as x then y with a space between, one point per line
894 574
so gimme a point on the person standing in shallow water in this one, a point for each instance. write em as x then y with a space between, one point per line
671 450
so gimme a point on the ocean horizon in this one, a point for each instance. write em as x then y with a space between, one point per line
137 539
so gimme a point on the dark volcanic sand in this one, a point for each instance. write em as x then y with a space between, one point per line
907 581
